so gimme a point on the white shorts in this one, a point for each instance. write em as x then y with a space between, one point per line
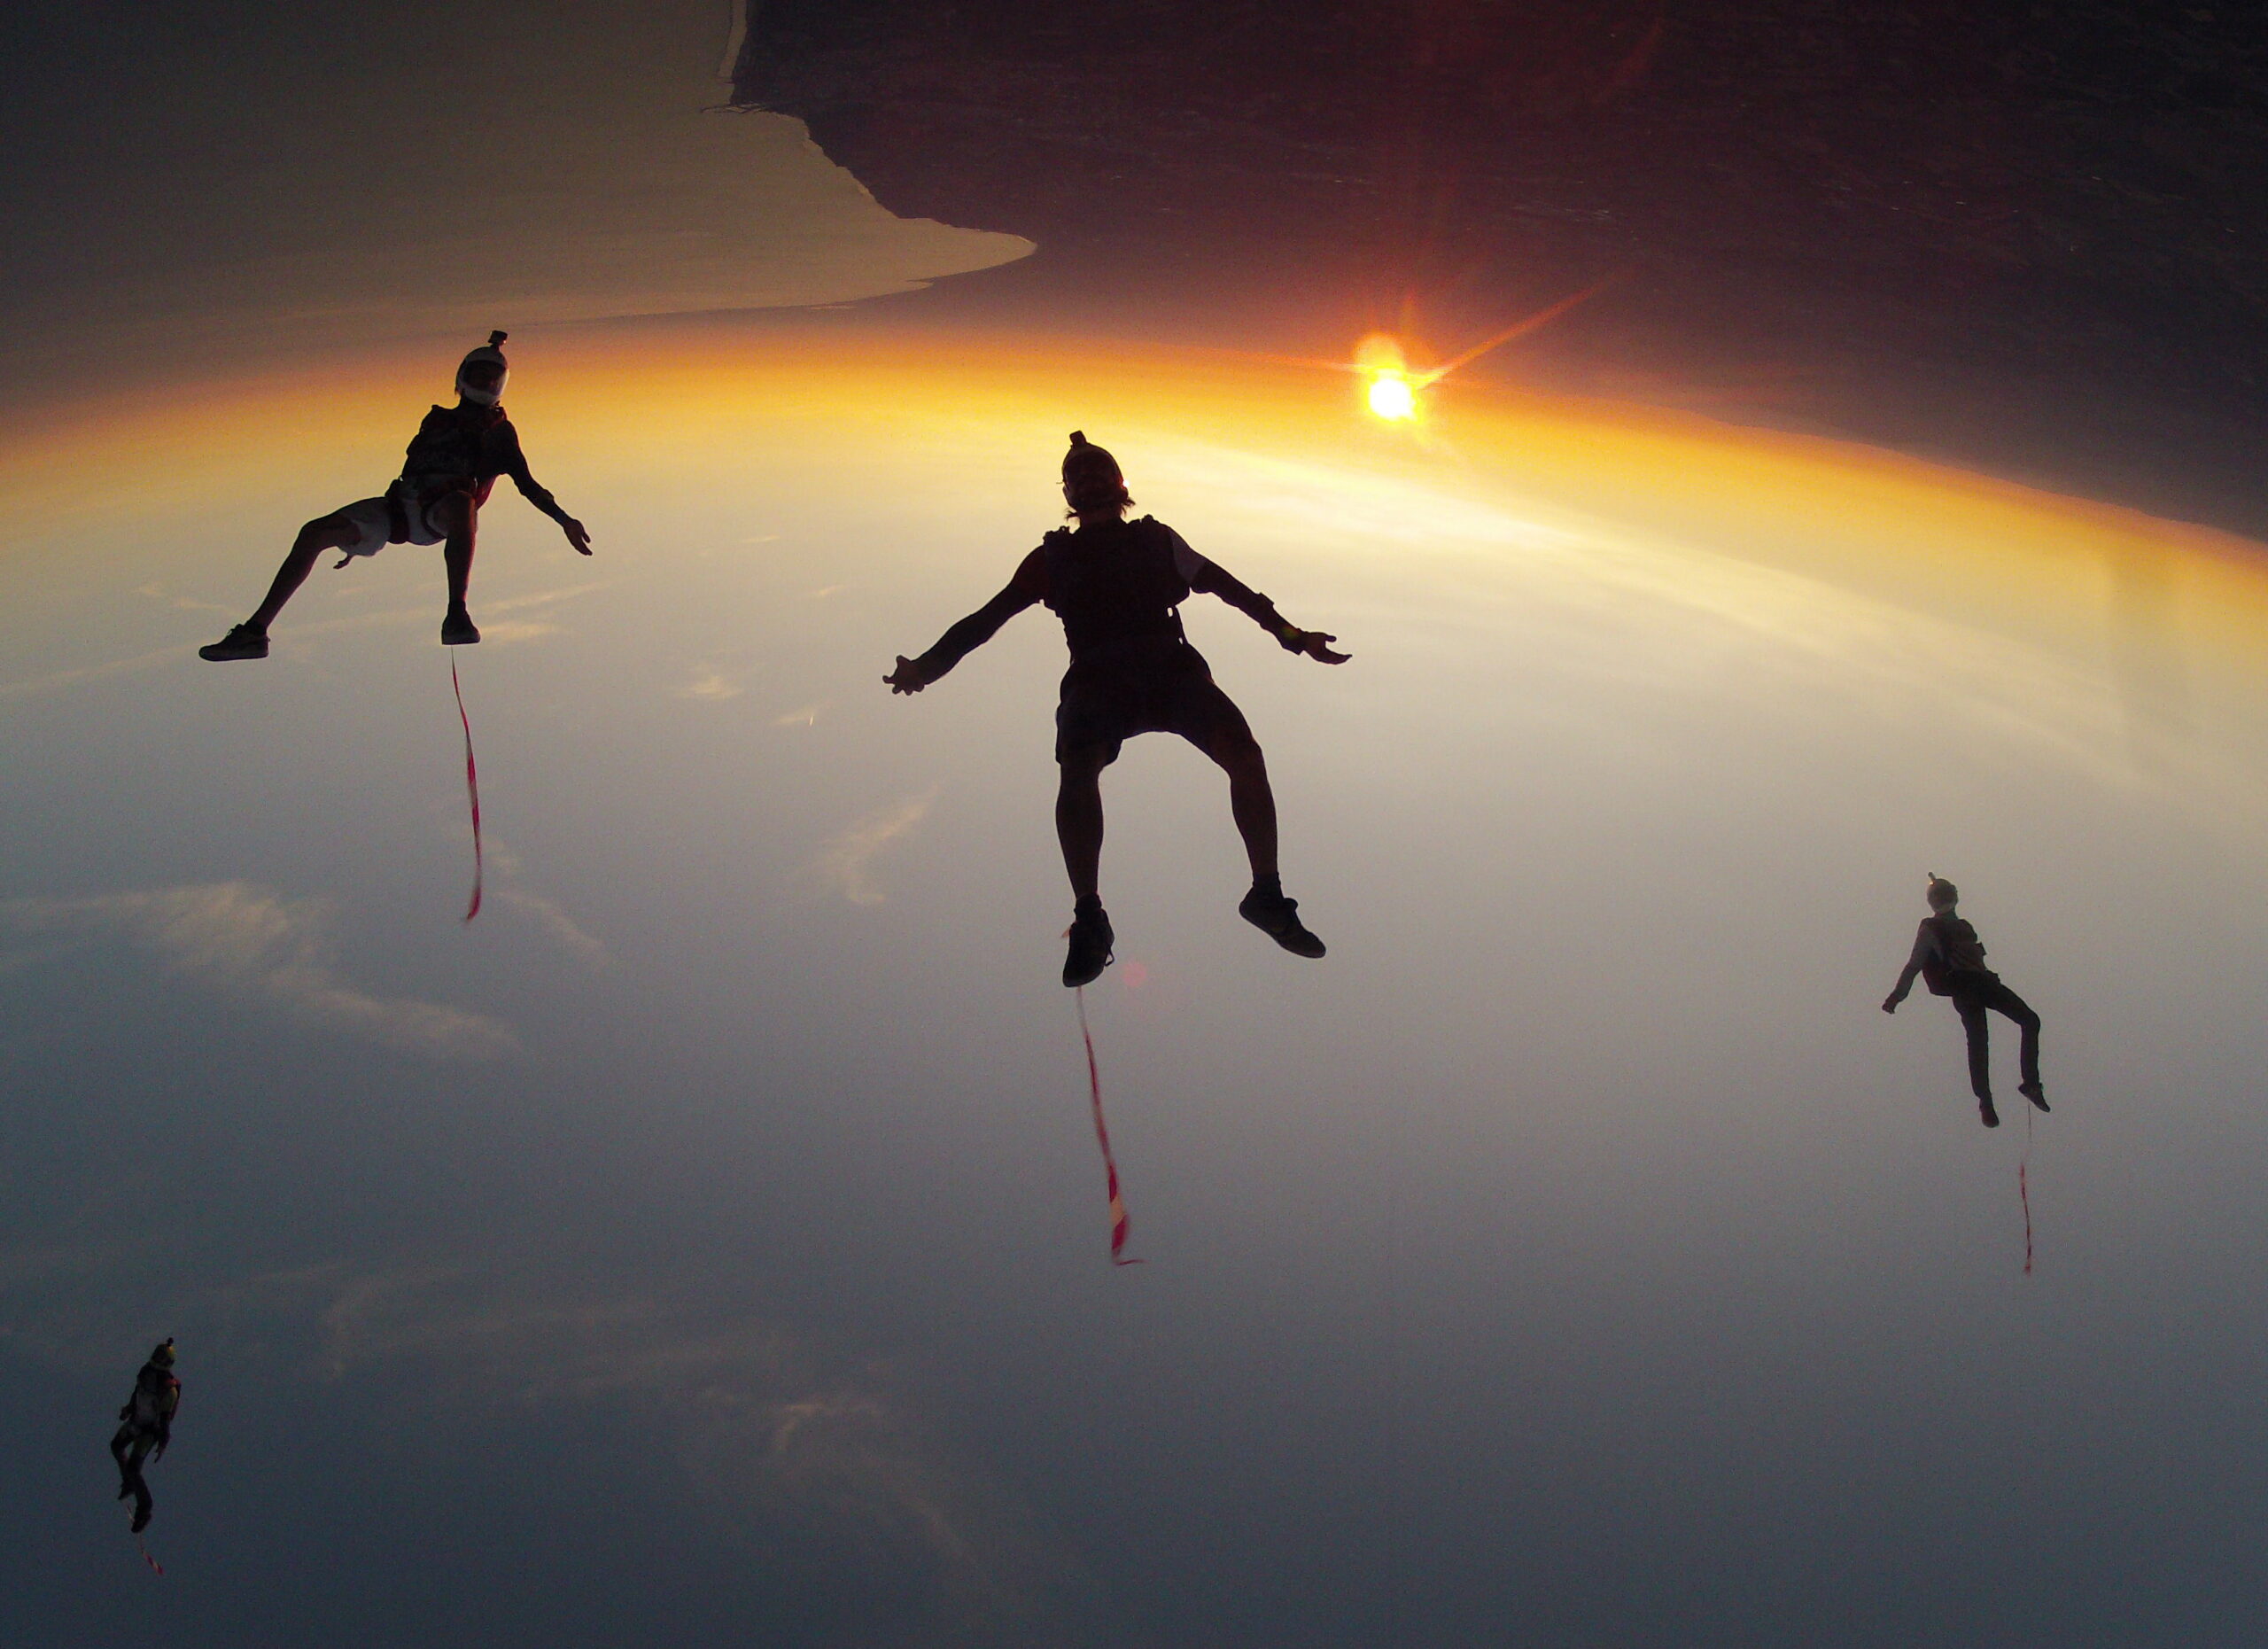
373 521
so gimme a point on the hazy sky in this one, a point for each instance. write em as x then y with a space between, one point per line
707 1245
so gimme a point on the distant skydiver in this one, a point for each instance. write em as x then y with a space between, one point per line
1118 586
148 1426
445 477
1951 959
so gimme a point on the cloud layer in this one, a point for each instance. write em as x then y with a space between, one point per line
845 864
253 941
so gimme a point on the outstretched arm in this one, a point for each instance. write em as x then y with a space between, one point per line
1029 585
1925 946
1214 579
516 465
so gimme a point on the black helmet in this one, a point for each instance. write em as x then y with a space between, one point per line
1087 458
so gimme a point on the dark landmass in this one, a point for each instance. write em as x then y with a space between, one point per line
2027 238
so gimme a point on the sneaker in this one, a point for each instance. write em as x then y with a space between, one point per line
1089 950
244 642
124 1490
458 629
1987 1115
1278 918
140 1520
2033 1092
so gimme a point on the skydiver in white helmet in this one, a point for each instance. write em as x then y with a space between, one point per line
1950 959
446 475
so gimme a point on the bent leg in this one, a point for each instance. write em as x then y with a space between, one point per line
1980 1047
139 1483
1078 815
1252 800
2015 1007
129 1448
456 515
330 532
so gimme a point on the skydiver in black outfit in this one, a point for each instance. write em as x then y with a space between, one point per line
1118 586
148 1428
1950 958
448 474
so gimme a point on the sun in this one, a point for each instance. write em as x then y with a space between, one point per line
1392 396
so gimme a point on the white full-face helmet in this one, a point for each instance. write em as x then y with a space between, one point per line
480 375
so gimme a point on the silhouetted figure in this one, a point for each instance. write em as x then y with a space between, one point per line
448 474
1118 586
1950 959
149 1427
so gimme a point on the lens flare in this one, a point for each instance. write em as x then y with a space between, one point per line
1381 358
1391 396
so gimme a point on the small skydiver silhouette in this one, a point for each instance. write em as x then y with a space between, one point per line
1118 586
148 1426
1950 958
446 475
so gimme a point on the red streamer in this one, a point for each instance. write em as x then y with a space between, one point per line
2024 1190
1118 1221
471 789
157 1567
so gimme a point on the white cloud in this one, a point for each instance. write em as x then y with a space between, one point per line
35 685
712 684
844 864
763 1433
251 939
545 598
552 917
158 592
517 630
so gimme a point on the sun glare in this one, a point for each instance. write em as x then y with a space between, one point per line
1391 396
1379 357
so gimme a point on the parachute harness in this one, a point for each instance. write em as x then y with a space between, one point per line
1118 1221
471 789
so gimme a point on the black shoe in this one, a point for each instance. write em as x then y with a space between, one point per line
125 1489
1089 950
1278 918
2033 1092
1987 1115
140 1520
244 642
458 629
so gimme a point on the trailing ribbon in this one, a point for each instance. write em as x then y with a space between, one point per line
471 789
1118 1221
157 1567
2024 1190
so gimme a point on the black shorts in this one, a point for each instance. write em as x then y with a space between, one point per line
1106 704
